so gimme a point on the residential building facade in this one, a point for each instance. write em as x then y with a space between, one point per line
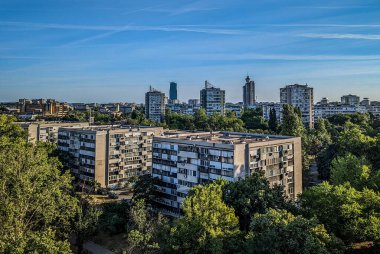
352 100
302 97
155 105
46 131
49 107
109 155
182 160
212 99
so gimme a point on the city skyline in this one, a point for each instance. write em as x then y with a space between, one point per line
108 52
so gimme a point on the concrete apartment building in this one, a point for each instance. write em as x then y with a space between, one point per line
49 107
46 131
212 99
155 105
249 95
109 155
302 97
352 100
182 160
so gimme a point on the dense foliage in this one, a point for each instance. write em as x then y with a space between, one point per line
37 207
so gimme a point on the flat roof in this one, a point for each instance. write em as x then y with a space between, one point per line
221 137
111 127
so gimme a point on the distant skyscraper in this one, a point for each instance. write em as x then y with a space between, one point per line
155 105
212 99
173 91
249 92
302 97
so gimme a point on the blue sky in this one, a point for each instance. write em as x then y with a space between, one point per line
108 51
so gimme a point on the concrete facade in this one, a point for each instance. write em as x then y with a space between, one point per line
302 97
46 131
182 160
109 155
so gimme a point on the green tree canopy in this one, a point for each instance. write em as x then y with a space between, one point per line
278 231
36 208
350 169
201 120
351 215
10 130
272 123
208 224
291 123
144 229
252 195
253 119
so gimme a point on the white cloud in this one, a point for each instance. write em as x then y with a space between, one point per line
341 36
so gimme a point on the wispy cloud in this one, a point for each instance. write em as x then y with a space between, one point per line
22 57
195 29
333 7
285 57
341 36
328 25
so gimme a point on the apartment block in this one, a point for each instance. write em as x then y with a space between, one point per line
352 100
109 155
302 97
49 107
46 131
182 160
155 105
212 99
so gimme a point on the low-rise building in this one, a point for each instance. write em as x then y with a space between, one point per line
46 131
49 107
108 155
182 160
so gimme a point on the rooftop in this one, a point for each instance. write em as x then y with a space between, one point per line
112 127
222 137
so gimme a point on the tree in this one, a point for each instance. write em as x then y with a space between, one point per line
36 205
208 224
292 126
273 124
319 138
352 215
144 229
291 123
114 218
253 119
278 231
252 195
10 130
350 169
353 140
145 188
86 222
201 120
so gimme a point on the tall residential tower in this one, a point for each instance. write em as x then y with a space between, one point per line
212 99
302 97
155 105
249 92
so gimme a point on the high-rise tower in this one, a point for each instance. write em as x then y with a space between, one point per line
249 92
173 91
155 105
302 97
212 99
